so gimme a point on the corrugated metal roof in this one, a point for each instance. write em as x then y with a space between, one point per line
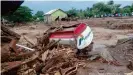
51 11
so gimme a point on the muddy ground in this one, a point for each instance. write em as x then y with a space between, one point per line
102 36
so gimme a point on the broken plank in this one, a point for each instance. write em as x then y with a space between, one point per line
27 48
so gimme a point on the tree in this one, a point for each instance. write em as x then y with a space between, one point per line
81 15
127 9
87 9
22 14
111 2
131 7
101 8
73 12
117 8
39 15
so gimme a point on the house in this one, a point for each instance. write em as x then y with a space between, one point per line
52 15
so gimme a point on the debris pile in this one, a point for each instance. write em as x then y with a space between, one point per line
26 60
60 60
13 57
51 58
57 59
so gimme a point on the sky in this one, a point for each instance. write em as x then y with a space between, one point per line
46 6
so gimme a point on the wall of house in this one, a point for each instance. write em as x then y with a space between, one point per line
53 16
47 19
57 13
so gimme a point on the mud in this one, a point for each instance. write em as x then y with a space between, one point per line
68 64
123 51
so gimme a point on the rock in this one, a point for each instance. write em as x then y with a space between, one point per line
100 51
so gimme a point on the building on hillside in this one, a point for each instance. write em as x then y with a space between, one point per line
52 15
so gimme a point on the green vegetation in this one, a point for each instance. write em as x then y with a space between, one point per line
39 16
100 9
22 14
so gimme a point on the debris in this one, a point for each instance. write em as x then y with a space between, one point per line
11 66
44 55
6 32
26 48
71 71
130 65
57 73
28 41
48 58
51 62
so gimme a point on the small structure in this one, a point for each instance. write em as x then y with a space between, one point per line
54 15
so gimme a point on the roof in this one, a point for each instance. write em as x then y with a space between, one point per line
52 11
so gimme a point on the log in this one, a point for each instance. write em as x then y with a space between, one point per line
10 33
50 63
33 59
44 40
70 70
29 61
20 56
3 33
13 45
48 46
9 36
11 66
6 38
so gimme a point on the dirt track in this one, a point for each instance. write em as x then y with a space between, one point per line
102 36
